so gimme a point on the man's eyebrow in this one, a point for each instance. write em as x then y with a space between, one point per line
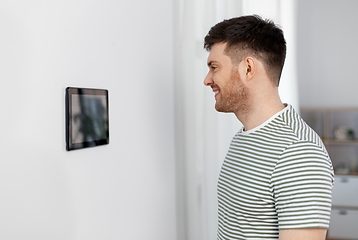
211 63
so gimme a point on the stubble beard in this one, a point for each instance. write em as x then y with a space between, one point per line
234 96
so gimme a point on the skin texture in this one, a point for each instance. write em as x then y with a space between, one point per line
245 89
303 234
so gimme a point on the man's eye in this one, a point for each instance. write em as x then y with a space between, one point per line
213 68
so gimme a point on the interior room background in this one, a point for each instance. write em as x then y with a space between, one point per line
157 177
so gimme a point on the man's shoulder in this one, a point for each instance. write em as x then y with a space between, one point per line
284 130
294 124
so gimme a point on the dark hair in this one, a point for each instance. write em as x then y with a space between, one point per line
251 35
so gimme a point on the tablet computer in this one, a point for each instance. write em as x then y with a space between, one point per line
86 118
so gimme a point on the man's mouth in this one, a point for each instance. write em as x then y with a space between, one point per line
216 91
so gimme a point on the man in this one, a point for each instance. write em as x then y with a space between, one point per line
276 180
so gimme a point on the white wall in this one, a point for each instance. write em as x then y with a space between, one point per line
125 190
327 53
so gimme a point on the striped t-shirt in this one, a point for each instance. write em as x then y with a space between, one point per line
275 176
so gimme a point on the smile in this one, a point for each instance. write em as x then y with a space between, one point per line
216 91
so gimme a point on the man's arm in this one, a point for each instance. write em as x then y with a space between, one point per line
303 234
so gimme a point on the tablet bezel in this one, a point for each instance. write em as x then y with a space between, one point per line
70 145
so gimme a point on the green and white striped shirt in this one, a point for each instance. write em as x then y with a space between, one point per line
275 176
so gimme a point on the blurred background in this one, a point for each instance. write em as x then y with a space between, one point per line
157 177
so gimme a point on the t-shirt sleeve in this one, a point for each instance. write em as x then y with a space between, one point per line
302 187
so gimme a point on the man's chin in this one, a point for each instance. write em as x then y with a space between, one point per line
221 109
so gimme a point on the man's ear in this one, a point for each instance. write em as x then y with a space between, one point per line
250 68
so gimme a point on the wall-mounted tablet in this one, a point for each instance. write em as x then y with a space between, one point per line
86 118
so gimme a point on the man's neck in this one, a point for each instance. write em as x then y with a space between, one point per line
259 113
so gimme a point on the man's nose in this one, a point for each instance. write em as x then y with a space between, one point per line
208 81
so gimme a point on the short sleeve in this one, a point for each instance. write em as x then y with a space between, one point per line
302 186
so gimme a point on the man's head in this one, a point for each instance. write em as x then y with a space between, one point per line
251 36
